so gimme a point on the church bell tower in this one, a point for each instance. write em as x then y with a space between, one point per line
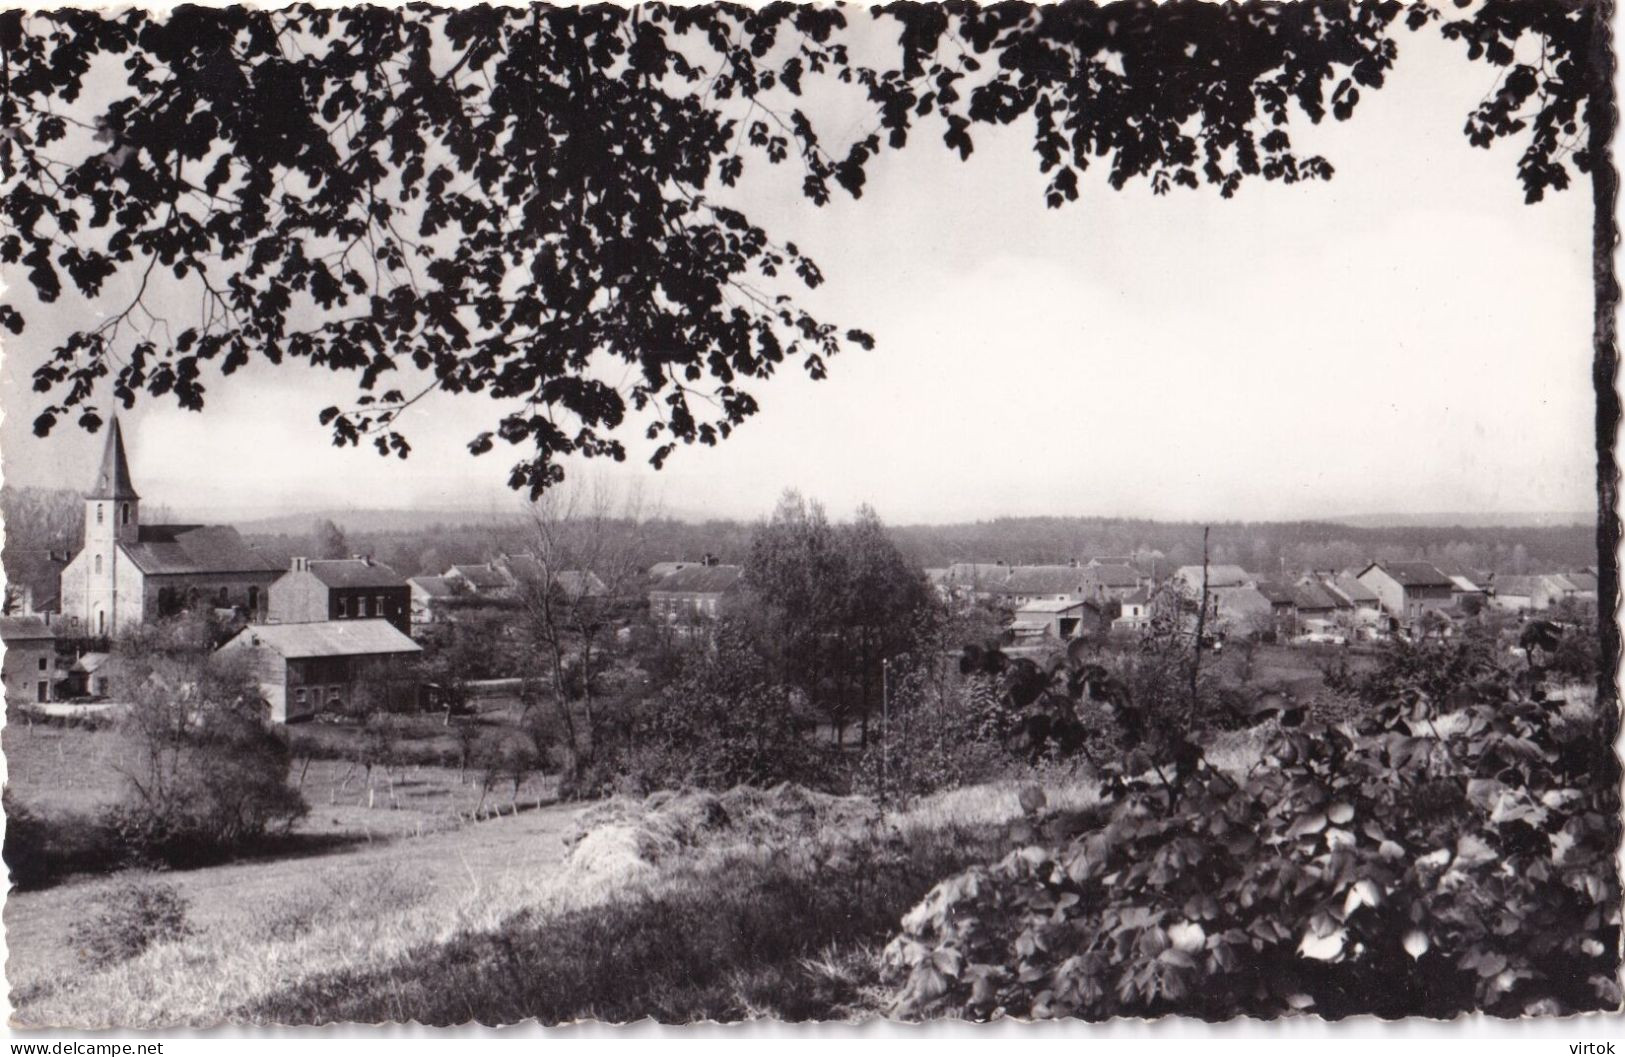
112 507
112 517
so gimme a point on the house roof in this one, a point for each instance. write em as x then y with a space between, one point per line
1278 594
113 478
1413 574
433 586
327 638
25 629
1353 590
1465 586
1313 597
354 572
90 662
972 573
702 579
1243 600
1217 575
1582 581
1517 586
39 571
1112 575
577 583
660 569
1457 571
1042 580
166 550
522 566
1050 605
1138 598
481 576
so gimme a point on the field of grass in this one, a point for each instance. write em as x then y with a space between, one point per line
679 906
67 777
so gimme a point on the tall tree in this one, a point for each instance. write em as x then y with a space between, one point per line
419 196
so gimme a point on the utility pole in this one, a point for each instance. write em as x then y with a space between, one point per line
885 727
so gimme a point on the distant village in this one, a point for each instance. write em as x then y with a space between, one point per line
320 631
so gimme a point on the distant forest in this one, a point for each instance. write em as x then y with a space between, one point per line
38 519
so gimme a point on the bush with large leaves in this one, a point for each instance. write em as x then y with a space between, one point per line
1422 865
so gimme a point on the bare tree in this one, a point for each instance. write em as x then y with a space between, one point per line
581 576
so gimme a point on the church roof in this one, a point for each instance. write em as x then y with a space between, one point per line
113 479
170 550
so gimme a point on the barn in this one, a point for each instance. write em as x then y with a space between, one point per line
330 666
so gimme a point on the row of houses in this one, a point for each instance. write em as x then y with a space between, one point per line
1379 599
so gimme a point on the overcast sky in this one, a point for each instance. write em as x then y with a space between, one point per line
1407 338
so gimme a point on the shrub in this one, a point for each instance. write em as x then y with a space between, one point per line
723 722
209 774
936 737
42 847
1398 871
127 919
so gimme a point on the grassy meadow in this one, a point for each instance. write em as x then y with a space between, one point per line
679 906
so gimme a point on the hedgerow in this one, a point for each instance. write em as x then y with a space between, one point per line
1419 865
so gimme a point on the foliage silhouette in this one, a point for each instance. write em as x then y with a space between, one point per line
420 197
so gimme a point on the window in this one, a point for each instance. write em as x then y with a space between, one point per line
98 513
344 607
124 515
225 596
44 664
253 597
98 563
299 696
378 606
101 617
42 691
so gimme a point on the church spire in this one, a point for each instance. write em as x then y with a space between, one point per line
113 480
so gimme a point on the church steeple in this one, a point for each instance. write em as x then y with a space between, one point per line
113 480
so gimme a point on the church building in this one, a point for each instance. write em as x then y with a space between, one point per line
129 573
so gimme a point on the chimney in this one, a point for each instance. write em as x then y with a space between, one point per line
301 565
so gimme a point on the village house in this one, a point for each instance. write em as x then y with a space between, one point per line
973 581
29 666
1244 607
1468 583
1409 589
33 581
695 595
485 579
129 573
340 589
1034 583
1366 604
524 570
1109 582
1585 586
1314 602
428 592
1542 591
1136 612
329 666
1219 577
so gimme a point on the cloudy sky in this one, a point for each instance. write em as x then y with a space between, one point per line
1407 338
